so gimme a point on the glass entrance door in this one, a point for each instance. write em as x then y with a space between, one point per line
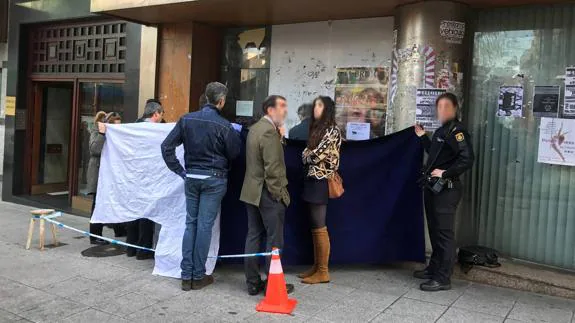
53 105
93 96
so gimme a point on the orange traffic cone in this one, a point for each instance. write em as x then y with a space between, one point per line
276 300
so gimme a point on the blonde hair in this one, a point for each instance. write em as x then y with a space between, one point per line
100 116
110 117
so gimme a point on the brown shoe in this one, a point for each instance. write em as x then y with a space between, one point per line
201 283
321 240
313 269
308 272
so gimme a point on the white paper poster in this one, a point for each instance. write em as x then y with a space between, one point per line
557 141
357 131
244 108
510 101
425 108
569 101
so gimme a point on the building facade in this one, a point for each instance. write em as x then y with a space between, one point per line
302 49
513 203
64 65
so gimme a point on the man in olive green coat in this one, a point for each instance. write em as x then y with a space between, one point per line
265 188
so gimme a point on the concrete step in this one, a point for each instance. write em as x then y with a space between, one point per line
523 276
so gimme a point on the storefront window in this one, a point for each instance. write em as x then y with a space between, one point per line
521 207
246 72
94 97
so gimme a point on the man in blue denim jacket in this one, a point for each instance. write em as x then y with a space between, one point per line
210 143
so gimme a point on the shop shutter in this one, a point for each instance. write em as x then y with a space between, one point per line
521 207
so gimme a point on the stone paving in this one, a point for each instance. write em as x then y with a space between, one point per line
60 285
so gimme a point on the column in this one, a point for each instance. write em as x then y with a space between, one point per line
430 51
189 58
174 69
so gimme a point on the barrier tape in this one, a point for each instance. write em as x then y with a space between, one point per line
112 241
50 217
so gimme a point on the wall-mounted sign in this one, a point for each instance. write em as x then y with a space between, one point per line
10 107
54 149
20 123
546 101
244 108
452 32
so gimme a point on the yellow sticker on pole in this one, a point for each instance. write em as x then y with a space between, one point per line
10 107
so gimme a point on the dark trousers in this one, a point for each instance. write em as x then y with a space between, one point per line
140 233
265 222
440 211
97 228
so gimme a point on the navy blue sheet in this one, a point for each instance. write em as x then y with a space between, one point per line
379 219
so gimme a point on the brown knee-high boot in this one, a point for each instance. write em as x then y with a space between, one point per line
313 268
322 245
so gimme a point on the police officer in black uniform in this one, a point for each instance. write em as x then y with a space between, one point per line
449 155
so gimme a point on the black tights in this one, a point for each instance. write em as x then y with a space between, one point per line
317 215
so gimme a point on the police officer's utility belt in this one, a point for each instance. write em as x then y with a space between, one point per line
436 184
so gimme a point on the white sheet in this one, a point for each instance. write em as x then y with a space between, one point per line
135 183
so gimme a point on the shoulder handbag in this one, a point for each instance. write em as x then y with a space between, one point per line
335 185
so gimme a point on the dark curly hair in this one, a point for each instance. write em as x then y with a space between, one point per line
318 127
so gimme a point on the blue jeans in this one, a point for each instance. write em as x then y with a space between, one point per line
203 199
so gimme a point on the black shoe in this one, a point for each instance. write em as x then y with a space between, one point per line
255 289
423 274
143 255
201 283
130 252
434 286
99 242
289 287
186 284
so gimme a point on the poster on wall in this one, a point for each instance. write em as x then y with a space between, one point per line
361 98
569 99
452 32
546 101
557 141
425 108
510 101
